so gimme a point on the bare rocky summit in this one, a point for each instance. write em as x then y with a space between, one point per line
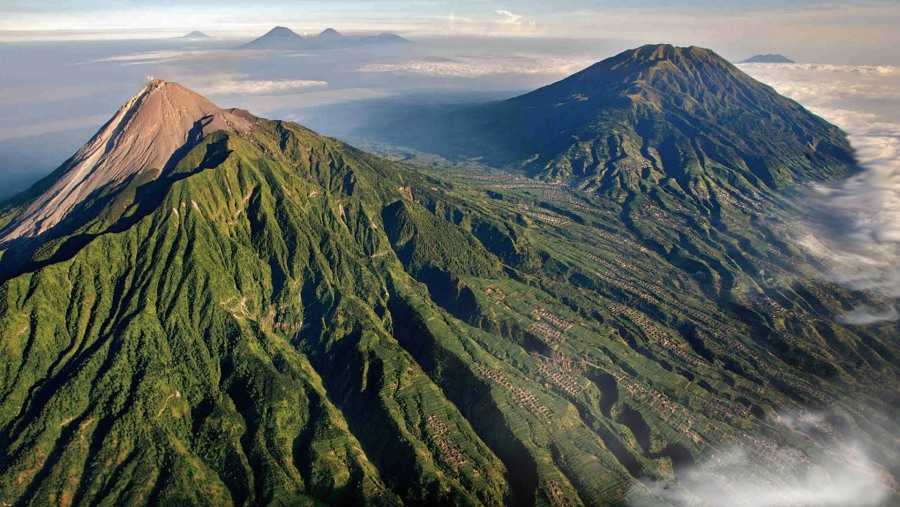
160 120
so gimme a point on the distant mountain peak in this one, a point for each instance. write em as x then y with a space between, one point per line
162 119
770 58
329 33
388 37
280 30
281 33
279 37
196 35
654 113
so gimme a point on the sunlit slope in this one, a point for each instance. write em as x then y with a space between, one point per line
177 360
679 118
285 319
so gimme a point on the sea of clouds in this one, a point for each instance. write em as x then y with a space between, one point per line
854 226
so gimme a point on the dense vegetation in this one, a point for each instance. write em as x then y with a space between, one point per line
682 116
285 319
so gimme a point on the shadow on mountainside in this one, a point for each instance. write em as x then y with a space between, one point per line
62 242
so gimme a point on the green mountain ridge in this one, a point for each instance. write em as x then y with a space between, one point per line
280 318
655 115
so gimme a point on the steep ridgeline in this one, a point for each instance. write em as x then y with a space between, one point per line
140 143
255 314
654 116
683 114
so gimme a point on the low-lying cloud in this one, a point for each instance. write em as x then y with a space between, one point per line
479 66
865 315
859 238
229 84
829 85
261 87
147 57
757 471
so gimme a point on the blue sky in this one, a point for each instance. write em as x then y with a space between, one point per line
232 14
850 30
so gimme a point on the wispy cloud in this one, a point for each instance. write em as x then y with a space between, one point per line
865 315
285 103
480 66
511 22
147 57
233 84
509 17
34 129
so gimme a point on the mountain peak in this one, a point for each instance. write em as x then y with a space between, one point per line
281 31
664 67
652 53
196 35
329 33
697 110
142 137
279 37
771 58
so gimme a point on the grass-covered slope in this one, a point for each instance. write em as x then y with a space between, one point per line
284 319
680 113
656 115
178 360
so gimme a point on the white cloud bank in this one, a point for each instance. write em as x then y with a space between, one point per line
481 66
865 315
150 57
758 472
229 86
860 242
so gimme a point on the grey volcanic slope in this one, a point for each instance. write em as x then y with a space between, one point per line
141 138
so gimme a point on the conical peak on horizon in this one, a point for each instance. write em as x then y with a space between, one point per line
196 34
143 136
283 38
282 31
768 58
